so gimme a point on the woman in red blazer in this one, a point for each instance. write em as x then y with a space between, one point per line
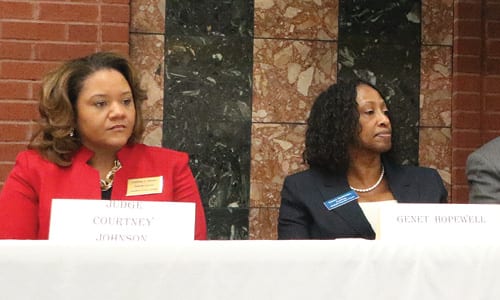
87 148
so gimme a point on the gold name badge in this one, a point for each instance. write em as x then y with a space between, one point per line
145 186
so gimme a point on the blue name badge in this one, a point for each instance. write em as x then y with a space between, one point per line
341 200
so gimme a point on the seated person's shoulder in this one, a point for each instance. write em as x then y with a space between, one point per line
419 174
304 175
488 151
156 151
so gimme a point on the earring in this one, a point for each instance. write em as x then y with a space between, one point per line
72 132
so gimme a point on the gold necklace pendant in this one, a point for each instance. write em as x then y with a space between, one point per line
107 182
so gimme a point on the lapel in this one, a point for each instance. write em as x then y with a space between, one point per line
400 185
331 186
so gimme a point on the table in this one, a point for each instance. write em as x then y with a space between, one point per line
339 269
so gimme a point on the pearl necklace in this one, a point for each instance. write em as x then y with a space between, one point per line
373 186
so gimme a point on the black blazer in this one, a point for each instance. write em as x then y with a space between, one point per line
303 215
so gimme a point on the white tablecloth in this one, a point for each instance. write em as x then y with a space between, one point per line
341 269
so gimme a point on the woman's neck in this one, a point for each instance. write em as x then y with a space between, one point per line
364 169
103 162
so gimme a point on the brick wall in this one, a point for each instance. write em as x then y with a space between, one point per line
476 84
35 36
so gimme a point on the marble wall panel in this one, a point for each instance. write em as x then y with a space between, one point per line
208 78
263 223
276 152
227 223
379 41
288 76
220 158
147 53
437 22
147 16
296 19
435 152
207 104
435 86
210 18
379 22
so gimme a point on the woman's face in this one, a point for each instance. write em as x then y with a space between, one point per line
375 126
105 111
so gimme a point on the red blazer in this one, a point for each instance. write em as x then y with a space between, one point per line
26 197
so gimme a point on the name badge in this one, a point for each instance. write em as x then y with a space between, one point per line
341 200
145 186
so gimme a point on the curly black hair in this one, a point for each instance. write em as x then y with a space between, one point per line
332 126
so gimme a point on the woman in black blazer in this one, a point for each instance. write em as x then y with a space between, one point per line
348 143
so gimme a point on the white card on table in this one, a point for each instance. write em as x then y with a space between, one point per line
82 220
440 222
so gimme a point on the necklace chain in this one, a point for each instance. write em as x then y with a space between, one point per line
373 186
107 182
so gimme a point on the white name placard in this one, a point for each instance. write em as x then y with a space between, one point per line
75 220
440 222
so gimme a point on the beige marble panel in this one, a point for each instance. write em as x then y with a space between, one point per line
296 19
263 223
276 152
147 53
288 76
437 22
435 151
435 86
153 134
147 16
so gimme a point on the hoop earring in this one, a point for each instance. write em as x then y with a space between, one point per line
72 132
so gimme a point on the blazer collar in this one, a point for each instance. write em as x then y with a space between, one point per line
84 154
399 184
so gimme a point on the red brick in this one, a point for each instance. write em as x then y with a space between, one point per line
25 70
493 11
492 102
488 135
15 50
491 84
466 83
493 30
69 12
468 46
33 31
5 169
493 66
16 10
15 90
15 132
466 101
467 64
467 10
9 151
460 194
117 1
115 33
61 52
23 111
459 177
115 13
459 156
122 48
82 33
466 120
493 48
468 28
491 121
466 139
